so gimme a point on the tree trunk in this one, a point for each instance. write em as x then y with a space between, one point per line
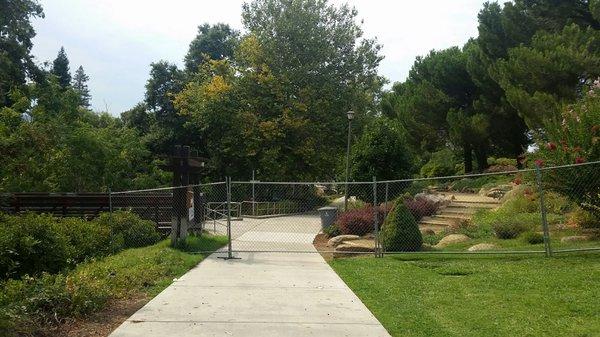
481 156
468 157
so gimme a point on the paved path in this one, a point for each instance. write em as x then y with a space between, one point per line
262 294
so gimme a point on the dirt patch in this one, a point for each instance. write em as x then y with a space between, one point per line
320 243
103 322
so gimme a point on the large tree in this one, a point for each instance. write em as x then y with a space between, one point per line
60 68
280 106
553 71
16 33
80 85
214 42
436 105
318 52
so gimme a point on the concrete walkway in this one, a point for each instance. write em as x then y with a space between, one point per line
262 294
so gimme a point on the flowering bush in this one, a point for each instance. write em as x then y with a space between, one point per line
574 138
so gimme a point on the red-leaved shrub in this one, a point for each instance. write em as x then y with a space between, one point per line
359 221
421 207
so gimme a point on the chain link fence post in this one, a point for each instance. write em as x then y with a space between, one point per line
547 247
228 187
110 206
376 217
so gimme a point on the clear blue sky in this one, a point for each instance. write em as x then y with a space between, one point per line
116 40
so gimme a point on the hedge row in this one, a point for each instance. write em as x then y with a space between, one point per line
31 244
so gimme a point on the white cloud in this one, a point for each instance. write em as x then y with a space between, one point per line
116 40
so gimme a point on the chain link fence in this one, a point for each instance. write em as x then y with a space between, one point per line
177 212
546 210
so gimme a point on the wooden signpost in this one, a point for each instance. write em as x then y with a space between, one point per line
186 167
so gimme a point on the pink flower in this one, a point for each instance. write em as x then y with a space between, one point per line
551 146
579 160
539 162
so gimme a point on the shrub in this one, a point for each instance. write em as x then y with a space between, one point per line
400 231
441 164
500 168
533 238
333 230
584 219
36 243
509 230
31 244
572 138
358 221
501 161
86 239
130 229
421 207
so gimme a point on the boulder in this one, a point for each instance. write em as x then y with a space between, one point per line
334 241
427 247
352 247
427 231
437 199
497 192
452 238
575 238
482 246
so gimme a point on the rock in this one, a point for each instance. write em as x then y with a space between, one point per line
452 238
438 200
350 248
482 246
575 238
497 192
427 247
427 231
369 236
334 241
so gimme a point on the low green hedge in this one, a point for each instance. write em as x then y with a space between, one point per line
31 244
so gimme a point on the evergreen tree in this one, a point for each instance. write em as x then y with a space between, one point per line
60 68
80 85
16 33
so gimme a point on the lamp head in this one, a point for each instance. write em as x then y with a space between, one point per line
350 115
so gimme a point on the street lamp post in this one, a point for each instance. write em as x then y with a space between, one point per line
350 115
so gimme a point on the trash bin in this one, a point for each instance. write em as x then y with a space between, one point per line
328 215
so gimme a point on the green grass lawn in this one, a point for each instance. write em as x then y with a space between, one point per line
479 295
32 305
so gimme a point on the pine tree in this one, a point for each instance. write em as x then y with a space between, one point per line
60 68
80 85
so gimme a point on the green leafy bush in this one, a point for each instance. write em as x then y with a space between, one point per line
442 164
333 230
130 229
31 244
509 229
86 239
501 161
400 231
533 238
36 243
